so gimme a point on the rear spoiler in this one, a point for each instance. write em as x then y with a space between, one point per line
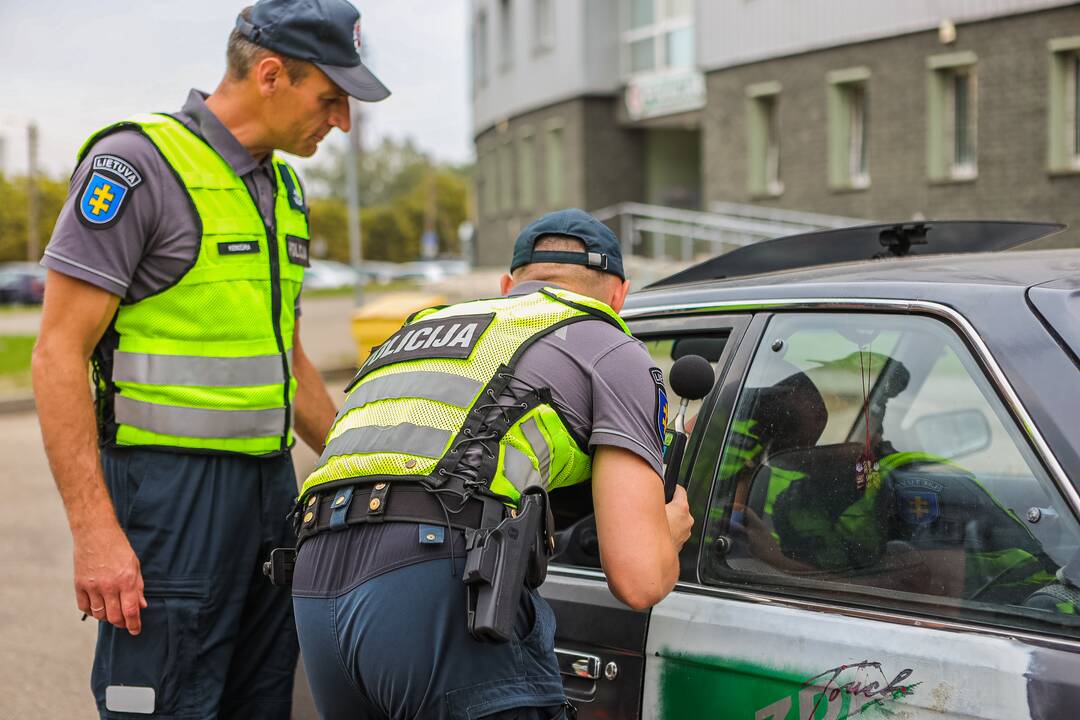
865 242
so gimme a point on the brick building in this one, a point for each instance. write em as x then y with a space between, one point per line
861 108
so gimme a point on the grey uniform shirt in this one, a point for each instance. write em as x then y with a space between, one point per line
154 237
606 387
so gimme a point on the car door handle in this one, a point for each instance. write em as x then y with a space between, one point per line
578 664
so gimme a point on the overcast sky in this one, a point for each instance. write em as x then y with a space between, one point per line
72 66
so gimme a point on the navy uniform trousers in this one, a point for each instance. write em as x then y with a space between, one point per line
218 640
393 644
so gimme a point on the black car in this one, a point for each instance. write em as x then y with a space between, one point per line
22 283
884 480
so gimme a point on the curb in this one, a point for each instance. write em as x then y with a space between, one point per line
14 404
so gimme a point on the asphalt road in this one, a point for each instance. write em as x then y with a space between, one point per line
46 650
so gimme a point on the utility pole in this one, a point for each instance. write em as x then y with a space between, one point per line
352 184
429 241
33 246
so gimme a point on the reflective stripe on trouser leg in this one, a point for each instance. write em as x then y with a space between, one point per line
443 387
406 438
191 370
196 422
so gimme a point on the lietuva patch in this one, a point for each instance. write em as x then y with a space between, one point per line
297 250
110 182
661 403
452 337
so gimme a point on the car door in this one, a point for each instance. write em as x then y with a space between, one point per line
881 537
599 641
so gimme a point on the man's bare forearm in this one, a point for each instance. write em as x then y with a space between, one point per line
314 410
69 430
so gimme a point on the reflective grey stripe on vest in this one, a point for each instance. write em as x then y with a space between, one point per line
199 423
153 369
444 387
405 438
519 469
531 431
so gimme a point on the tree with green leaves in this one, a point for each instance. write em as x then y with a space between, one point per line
395 179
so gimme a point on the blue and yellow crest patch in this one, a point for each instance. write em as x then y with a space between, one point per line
110 182
919 507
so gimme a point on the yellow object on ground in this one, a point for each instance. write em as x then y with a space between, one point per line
379 318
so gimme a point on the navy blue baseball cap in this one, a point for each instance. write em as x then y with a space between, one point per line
602 248
323 32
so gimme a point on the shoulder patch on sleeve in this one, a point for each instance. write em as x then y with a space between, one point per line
108 185
661 403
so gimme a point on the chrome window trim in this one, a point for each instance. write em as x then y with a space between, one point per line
895 618
950 315
729 593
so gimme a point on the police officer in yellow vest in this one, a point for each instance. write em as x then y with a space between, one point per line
175 271
451 422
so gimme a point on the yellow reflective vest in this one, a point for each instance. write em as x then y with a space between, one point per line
205 364
425 399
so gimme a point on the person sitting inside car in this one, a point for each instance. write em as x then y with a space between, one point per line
866 513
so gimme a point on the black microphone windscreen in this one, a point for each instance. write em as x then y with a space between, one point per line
691 377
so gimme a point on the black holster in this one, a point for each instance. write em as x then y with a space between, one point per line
502 561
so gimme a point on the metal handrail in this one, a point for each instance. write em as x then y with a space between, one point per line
737 225
797 217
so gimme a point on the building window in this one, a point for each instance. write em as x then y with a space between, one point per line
543 26
506 177
1064 115
658 35
848 128
480 45
763 139
506 35
487 193
482 181
555 174
952 143
526 172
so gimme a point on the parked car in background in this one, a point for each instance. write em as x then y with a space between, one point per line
330 275
884 479
433 270
22 283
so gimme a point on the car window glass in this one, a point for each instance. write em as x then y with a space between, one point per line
576 529
869 459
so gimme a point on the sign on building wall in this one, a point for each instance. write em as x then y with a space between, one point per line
649 96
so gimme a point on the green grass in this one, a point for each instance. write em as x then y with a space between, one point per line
15 360
19 309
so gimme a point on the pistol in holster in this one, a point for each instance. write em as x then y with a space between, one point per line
504 560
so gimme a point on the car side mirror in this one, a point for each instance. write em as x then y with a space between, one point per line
953 434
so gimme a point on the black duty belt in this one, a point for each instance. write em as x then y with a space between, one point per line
380 502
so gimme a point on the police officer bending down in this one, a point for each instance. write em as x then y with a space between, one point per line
466 412
176 266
